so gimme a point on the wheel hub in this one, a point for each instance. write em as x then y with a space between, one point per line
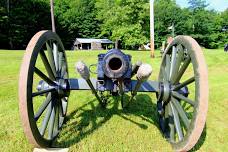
61 87
164 91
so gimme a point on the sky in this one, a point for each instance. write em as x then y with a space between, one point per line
219 5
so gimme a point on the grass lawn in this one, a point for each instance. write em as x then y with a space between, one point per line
89 128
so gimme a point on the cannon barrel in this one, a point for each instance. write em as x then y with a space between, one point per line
116 64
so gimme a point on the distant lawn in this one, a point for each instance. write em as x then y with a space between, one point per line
89 128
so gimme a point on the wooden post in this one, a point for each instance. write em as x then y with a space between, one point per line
9 25
8 7
173 30
52 16
152 28
117 44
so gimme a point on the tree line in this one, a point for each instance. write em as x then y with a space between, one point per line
125 21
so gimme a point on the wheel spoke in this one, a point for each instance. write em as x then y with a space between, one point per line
181 112
167 59
52 123
56 56
43 92
57 109
51 58
56 127
63 71
177 122
179 96
187 82
47 65
44 77
43 107
46 119
182 70
61 115
61 109
171 124
164 73
60 61
64 106
179 57
173 62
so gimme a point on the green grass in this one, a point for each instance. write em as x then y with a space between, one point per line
89 128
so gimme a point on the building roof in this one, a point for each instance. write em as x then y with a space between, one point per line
85 40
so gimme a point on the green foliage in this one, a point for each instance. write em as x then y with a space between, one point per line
129 21
125 21
76 19
18 24
206 28
4 22
197 4
224 17
167 12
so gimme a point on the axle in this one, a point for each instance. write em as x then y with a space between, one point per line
81 84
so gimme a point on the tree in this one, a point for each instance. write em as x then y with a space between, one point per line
125 20
206 24
4 21
224 17
76 19
167 12
224 24
197 4
18 24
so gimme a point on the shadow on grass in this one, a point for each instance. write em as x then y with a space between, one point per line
90 117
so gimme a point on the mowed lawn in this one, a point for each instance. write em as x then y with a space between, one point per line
91 128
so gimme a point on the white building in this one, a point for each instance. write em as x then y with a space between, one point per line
92 44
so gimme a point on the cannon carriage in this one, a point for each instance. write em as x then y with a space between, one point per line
181 88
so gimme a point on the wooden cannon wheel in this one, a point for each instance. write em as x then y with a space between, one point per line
182 116
43 98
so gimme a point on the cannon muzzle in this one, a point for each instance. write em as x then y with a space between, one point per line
116 64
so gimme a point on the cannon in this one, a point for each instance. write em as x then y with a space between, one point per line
114 73
181 88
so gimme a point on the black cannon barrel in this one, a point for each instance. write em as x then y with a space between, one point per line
116 64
